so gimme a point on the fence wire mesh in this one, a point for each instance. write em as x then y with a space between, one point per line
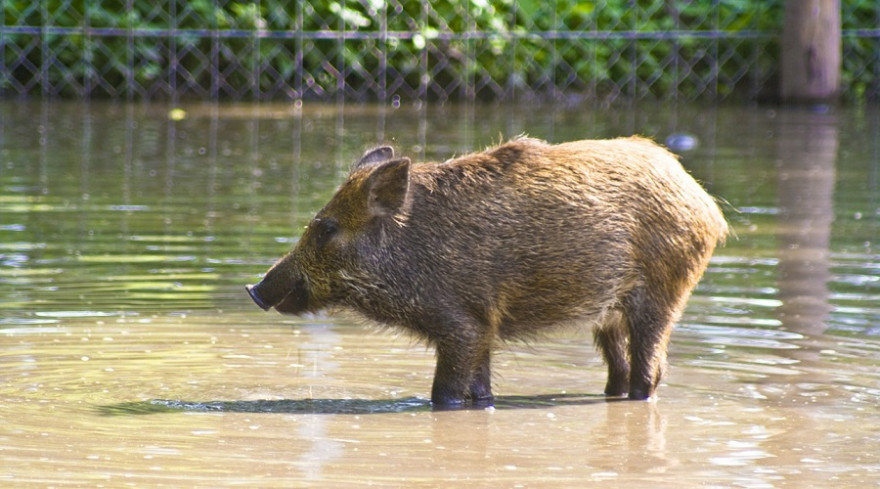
402 49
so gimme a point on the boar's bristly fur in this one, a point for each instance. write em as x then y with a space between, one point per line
508 242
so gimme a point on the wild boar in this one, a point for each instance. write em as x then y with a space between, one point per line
506 243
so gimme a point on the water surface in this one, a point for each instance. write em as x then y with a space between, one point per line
132 356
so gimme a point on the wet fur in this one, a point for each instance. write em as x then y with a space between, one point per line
506 243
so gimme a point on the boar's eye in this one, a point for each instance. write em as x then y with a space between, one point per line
325 229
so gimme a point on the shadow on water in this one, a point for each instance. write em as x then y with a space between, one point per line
342 406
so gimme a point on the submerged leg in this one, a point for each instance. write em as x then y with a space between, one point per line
463 374
611 339
650 325
481 384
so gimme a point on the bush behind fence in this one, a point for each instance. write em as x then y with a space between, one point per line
403 49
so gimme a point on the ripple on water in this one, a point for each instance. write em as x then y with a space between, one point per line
159 229
744 337
77 314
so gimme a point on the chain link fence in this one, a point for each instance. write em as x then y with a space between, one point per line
410 50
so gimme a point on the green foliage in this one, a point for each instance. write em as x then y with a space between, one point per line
373 48
860 71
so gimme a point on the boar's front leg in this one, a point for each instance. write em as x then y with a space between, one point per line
463 375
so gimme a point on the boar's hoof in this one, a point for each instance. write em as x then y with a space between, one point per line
639 395
256 298
462 404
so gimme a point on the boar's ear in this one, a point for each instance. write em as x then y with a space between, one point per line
388 186
374 156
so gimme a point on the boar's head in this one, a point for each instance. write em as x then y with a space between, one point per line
329 263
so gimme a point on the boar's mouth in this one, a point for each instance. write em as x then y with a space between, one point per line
292 301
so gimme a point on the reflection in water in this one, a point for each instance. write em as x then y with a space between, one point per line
806 176
132 355
641 429
323 449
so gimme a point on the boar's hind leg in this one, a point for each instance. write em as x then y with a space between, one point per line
611 339
650 323
463 375
481 383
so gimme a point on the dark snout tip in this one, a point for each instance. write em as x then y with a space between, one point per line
256 298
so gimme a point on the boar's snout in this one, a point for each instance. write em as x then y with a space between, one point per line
287 298
252 291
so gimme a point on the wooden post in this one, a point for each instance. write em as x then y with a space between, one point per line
811 51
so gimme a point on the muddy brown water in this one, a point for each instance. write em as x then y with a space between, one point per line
131 355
